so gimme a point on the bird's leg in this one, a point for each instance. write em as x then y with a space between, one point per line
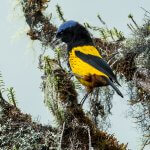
89 90
84 98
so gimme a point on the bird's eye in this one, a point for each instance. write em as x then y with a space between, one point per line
61 33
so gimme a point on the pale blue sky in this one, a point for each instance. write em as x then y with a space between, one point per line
18 63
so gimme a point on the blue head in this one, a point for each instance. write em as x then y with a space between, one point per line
66 25
73 33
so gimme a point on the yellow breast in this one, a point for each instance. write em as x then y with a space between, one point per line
81 68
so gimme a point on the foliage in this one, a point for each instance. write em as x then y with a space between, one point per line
51 98
11 96
17 131
107 34
136 69
10 92
60 13
129 57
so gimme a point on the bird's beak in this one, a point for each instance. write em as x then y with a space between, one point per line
55 41
57 35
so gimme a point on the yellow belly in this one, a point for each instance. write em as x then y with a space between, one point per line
82 69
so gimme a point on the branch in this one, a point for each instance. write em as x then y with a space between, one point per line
18 131
75 117
125 61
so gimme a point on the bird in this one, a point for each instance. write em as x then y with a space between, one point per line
84 58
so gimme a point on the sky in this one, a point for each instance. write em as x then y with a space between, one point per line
19 56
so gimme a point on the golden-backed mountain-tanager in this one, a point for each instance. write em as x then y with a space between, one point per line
85 60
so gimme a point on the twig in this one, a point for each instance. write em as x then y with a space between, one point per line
144 144
90 143
111 57
61 138
145 10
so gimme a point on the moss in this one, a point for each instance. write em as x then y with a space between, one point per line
18 131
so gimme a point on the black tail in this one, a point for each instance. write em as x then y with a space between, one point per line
114 87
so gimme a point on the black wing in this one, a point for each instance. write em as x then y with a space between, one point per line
97 63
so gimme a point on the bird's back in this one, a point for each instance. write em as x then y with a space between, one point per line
81 69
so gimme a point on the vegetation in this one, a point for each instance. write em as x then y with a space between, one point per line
129 57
